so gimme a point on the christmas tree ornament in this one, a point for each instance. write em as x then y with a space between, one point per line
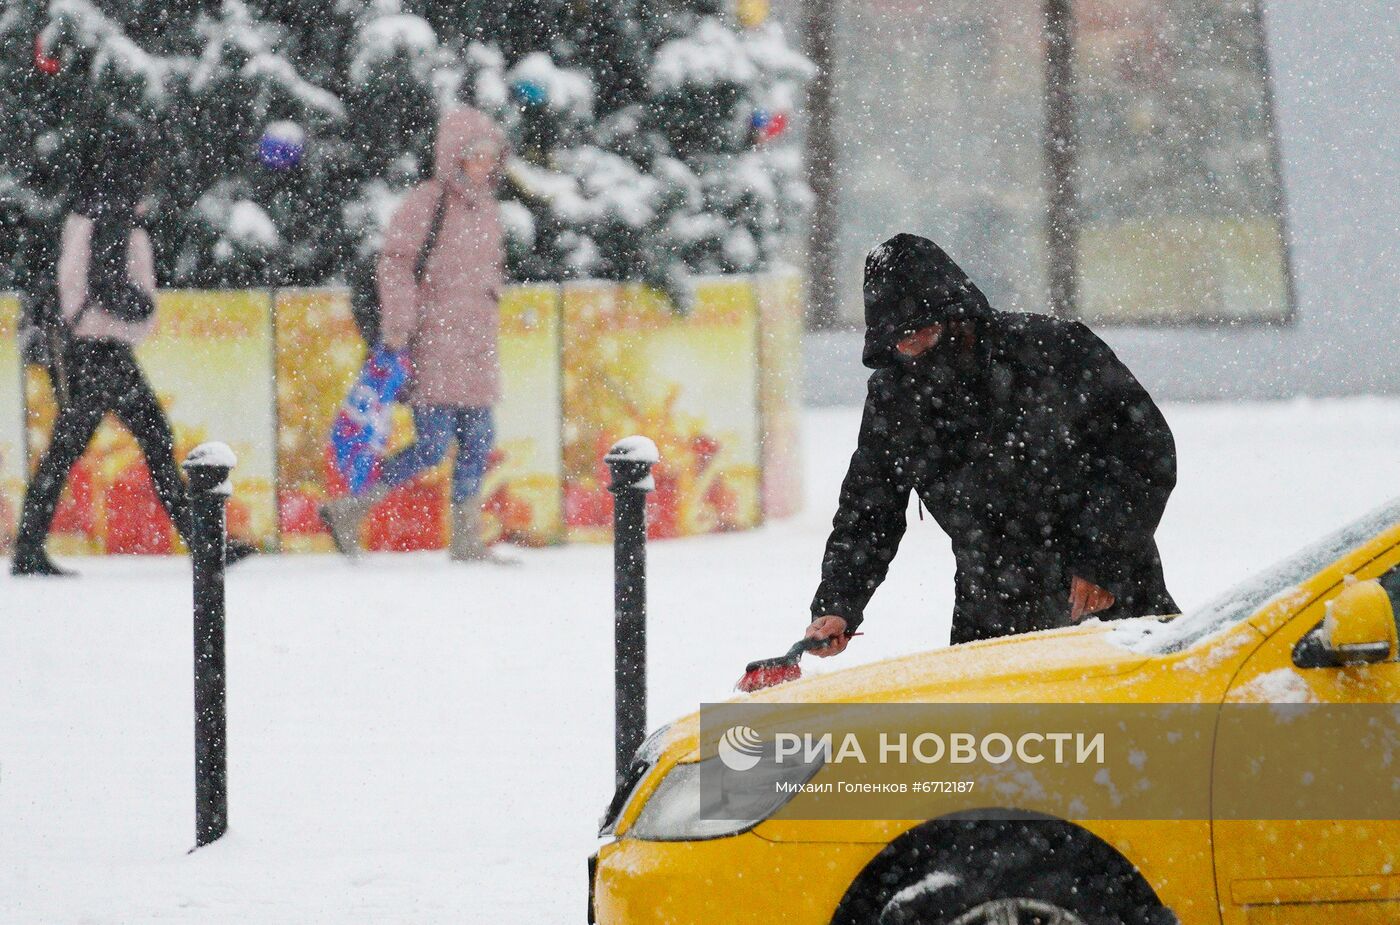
751 13
767 125
529 93
282 145
45 63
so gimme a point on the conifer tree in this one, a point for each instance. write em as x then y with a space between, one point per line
652 138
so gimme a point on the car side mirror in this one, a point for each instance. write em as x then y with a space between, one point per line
1360 625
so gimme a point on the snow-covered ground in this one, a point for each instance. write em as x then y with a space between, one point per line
411 742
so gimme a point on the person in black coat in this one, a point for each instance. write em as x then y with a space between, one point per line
1029 442
106 291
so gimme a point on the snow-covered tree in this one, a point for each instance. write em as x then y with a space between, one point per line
651 136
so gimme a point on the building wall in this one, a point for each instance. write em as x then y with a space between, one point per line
1337 103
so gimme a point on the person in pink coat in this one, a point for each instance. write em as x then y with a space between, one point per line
443 319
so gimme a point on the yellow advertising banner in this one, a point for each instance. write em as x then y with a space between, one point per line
582 366
207 359
779 296
12 470
319 354
524 488
634 366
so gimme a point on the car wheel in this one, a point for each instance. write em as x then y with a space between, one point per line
1017 912
1003 873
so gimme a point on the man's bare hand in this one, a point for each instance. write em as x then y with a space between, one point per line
832 629
1086 598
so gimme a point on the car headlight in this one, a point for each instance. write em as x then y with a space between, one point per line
678 811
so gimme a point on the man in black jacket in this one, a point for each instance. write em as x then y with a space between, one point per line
1031 444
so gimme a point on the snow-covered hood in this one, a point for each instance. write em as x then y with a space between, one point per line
460 131
995 670
1053 666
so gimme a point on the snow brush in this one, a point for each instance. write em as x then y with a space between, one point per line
766 672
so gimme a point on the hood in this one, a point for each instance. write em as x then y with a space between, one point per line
460 130
1006 669
119 178
1050 666
910 283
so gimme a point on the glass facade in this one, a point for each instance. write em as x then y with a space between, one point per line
940 125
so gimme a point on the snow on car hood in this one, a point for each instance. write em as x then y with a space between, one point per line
1010 668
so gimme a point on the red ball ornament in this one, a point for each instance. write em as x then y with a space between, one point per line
44 62
777 123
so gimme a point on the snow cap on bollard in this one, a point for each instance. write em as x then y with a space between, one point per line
208 466
630 461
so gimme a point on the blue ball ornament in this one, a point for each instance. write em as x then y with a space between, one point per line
281 146
529 93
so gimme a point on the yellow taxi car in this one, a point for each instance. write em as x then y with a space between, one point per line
1319 627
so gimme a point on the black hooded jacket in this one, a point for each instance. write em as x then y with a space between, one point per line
1028 441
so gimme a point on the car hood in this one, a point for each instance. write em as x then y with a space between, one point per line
1049 667
1010 668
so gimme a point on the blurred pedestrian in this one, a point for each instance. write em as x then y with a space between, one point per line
443 321
1032 445
106 291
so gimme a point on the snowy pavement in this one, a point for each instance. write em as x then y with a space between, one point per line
411 742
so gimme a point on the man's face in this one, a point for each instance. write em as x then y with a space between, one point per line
920 342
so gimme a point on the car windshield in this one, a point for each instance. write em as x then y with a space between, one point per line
1156 637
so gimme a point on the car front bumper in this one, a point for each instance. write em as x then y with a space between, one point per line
736 880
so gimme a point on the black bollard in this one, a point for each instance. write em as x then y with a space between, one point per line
207 468
630 461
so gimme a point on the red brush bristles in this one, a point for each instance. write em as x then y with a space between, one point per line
756 679
767 672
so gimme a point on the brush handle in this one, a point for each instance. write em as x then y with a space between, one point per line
804 645
807 645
